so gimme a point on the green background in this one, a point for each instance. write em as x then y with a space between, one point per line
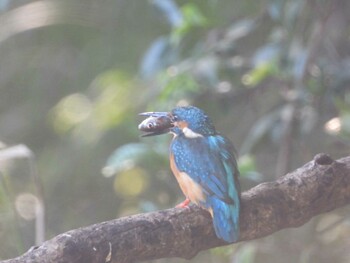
273 75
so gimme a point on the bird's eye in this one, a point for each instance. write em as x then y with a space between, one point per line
150 125
175 118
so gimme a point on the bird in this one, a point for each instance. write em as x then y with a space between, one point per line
204 164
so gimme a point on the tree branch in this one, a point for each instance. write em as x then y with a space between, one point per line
319 186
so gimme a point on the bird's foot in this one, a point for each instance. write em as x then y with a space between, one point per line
184 204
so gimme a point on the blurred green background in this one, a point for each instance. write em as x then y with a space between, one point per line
274 75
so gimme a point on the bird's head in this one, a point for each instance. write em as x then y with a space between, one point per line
190 121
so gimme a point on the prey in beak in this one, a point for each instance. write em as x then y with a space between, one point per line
157 123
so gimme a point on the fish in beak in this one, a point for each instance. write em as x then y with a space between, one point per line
157 123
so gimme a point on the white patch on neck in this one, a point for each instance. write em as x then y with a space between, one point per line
190 134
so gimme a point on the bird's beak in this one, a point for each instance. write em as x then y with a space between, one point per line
157 123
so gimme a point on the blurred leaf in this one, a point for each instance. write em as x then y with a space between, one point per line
246 163
88 118
275 8
192 17
259 73
223 252
125 157
170 11
70 111
131 182
15 152
114 96
240 29
237 30
38 14
266 54
247 168
175 84
158 56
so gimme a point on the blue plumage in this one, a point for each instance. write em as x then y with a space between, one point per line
204 164
209 161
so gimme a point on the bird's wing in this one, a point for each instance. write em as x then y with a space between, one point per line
210 162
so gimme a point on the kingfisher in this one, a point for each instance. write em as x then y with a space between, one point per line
204 164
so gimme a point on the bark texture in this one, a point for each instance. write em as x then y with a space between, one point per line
318 187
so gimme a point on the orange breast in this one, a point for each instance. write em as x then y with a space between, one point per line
189 187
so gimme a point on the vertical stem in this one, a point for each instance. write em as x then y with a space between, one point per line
40 205
284 152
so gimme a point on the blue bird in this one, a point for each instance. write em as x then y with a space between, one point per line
203 163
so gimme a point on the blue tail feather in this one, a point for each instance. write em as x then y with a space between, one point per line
225 219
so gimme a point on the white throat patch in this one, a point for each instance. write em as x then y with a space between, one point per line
190 134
